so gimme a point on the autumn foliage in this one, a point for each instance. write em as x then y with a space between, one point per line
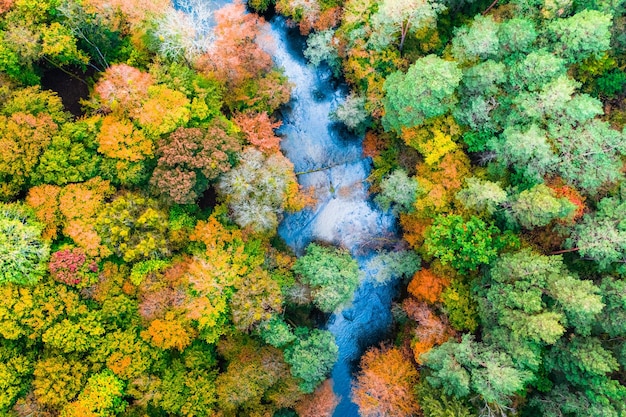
384 386
430 329
427 286
259 130
236 56
191 158
122 88
72 267
321 403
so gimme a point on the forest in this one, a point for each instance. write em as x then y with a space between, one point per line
142 185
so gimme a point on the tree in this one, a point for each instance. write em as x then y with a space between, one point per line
259 130
528 151
384 385
465 245
480 40
253 375
72 267
601 236
126 354
23 138
521 285
16 367
276 332
122 88
430 330
70 156
23 253
321 403
399 191
353 114
332 274
80 204
134 227
191 158
120 139
470 366
426 90
311 357
434 139
58 380
581 35
259 188
517 35
44 200
582 361
162 111
538 206
387 266
399 18
101 397
258 297
235 55
188 386
482 196
427 285
322 47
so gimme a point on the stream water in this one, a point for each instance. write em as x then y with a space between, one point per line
330 160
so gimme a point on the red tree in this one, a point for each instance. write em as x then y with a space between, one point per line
259 130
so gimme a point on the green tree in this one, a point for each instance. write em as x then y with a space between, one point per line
23 253
396 19
482 196
398 191
581 35
601 236
480 40
16 367
332 274
519 293
470 366
465 245
538 206
71 156
311 357
427 90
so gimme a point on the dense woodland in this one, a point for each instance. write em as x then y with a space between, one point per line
140 269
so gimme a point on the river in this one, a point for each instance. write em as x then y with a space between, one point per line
329 159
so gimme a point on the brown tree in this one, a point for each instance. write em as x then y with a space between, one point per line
190 158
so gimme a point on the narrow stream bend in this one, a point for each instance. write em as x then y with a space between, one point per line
330 160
